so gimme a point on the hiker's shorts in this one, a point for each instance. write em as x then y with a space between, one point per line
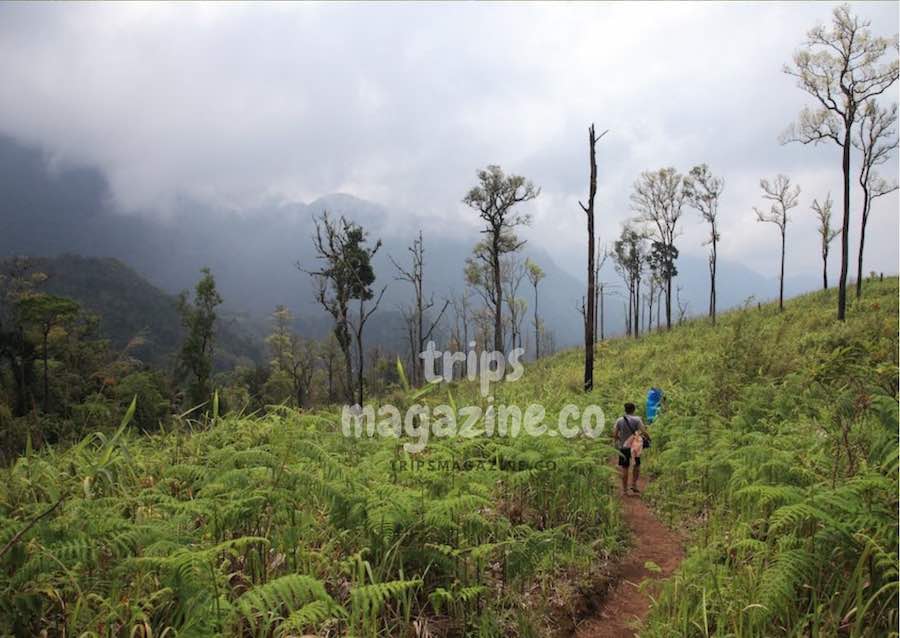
625 458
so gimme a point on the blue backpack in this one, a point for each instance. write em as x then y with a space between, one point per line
654 398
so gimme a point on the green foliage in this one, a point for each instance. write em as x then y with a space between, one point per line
290 594
46 311
196 356
148 389
777 452
278 525
137 318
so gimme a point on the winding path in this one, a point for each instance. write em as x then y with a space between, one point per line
625 607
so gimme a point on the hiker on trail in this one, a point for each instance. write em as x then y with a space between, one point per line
654 404
629 434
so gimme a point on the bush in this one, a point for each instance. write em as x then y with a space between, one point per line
152 406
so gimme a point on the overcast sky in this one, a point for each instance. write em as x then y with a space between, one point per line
401 103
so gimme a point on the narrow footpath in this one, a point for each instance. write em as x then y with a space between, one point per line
625 607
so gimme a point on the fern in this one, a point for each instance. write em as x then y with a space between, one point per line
792 569
367 600
311 615
264 603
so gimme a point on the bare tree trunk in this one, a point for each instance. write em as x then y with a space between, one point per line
712 283
668 302
591 298
537 329
781 276
360 353
602 327
862 242
658 309
331 381
644 315
411 335
498 294
465 309
637 308
359 372
348 370
628 312
419 364
363 318
845 226
597 288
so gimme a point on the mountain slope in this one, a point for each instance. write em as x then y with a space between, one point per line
129 306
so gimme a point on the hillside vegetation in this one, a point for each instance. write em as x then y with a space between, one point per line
133 313
776 454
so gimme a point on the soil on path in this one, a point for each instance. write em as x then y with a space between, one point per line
625 607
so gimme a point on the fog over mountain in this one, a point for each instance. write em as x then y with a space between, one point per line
51 209
247 107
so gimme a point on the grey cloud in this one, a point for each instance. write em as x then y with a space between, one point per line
239 104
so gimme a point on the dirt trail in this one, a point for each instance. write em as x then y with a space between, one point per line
621 613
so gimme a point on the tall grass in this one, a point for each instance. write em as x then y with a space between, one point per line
777 452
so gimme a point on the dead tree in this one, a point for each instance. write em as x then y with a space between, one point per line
826 233
591 297
409 321
461 311
602 318
682 307
839 67
606 290
421 328
598 285
783 198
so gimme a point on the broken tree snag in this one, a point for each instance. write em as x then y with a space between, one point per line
591 298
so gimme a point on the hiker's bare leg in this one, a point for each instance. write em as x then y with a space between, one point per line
624 480
637 474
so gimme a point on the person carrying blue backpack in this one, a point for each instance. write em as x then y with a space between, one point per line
630 438
654 403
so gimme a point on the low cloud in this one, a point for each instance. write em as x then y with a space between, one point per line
236 104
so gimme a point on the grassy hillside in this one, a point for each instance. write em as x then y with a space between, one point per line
777 454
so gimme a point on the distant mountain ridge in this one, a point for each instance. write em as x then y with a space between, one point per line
254 253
